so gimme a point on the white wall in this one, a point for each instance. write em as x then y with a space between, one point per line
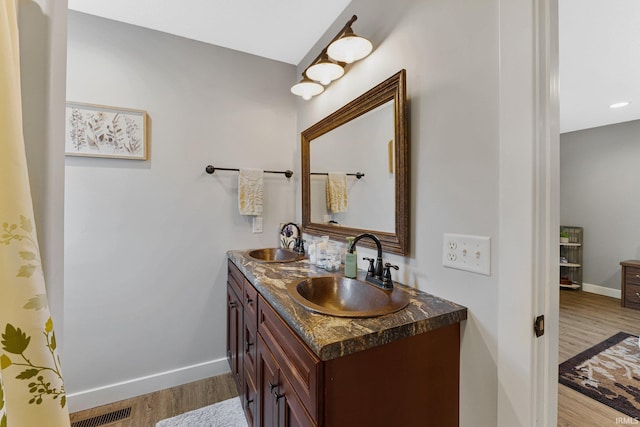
598 191
450 52
145 265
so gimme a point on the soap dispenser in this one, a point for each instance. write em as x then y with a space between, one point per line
350 260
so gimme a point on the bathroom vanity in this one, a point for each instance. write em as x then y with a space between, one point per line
296 367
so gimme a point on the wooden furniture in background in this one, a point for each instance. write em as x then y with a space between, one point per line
630 287
571 251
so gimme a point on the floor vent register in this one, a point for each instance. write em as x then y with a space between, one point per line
104 419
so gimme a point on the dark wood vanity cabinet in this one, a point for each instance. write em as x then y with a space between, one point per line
262 366
411 381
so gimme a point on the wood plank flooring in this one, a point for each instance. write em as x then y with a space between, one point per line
587 319
150 408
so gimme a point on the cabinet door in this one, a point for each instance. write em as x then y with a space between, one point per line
250 329
250 351
291 412
279 405
250 401
268 381
234 335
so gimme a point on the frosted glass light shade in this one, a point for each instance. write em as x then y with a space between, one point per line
307 89
349 48
325 71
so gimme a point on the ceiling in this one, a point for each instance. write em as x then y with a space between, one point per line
283 30
599 62
599 42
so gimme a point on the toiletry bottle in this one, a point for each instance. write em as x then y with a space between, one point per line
350 260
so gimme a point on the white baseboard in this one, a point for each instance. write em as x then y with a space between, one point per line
79 401
602 290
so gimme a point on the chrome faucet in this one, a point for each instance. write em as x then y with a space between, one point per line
298 246
375 274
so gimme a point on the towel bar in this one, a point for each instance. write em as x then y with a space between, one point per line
211 169
357 174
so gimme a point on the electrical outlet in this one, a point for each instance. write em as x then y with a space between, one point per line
257 224
469 253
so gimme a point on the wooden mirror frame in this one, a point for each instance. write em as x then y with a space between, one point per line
394 88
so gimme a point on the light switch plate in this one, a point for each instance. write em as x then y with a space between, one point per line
469 253
257 224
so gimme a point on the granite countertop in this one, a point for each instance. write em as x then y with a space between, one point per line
330 337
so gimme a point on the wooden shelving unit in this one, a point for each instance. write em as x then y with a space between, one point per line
571 257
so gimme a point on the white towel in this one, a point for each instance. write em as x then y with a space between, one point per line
337 192
250 190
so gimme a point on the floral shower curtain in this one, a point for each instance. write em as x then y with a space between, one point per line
31 386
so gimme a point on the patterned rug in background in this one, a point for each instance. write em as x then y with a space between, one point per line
608 372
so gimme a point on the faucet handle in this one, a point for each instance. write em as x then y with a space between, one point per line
386 276
299 246
388 266
371 270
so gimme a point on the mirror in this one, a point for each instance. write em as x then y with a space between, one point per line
366 140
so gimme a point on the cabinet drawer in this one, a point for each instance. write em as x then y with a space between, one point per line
632 276
632 296
301 367
235 278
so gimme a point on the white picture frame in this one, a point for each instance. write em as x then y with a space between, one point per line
102 131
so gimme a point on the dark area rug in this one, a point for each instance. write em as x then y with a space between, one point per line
608 372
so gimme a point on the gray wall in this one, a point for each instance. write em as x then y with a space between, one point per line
145 246
450 52
599 190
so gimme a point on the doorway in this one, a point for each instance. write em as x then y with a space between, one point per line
597 51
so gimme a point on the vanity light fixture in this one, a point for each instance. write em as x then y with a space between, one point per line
349 47
345 48
307 88
620 104
325 71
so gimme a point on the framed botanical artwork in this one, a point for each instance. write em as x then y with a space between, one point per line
101 131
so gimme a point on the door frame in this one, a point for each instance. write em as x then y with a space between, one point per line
529 212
